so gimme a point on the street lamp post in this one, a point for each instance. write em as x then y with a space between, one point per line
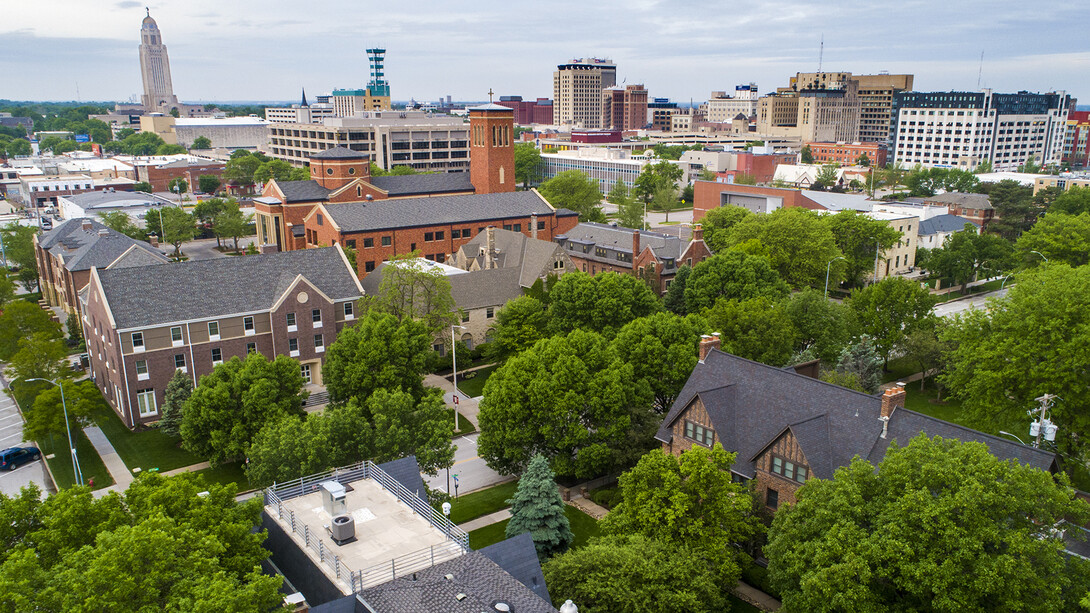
68 430
454 379
829 267
1042 255
1013 436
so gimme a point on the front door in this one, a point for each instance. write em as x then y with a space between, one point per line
304 369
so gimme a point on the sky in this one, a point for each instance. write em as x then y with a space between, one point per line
266 50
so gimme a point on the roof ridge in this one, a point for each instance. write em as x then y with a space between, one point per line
980 433
795 374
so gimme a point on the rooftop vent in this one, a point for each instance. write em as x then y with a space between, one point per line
103 232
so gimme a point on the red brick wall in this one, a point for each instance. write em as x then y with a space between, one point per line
332 174
697 414
787 447
492 152
847 153
707 196
160 178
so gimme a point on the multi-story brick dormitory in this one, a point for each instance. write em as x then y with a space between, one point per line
144 323
787 427
653 256
67 253
340 175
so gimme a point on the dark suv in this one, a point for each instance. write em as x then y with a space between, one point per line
13 458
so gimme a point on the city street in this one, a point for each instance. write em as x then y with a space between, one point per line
11 435
946 309
471 470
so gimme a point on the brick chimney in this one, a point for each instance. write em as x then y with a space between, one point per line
490 248
707 343
153 240
635 246
86 225
892 398
698 232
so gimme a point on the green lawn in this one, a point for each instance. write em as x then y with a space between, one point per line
463 426
228 473
948 410
899 368
474 386
583 526
90 464
147 449
480 503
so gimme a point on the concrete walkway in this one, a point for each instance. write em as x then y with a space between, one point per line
589 507
187 469
121 474
756 597
467 406
906 380
486 520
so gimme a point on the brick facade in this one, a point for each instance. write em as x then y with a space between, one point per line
846 154
697 414
708 195
491 152
161 176
787 448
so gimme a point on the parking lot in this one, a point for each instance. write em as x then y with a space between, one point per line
11 435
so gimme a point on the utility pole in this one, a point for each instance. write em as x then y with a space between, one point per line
1043 426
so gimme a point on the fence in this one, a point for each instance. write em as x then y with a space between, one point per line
400 566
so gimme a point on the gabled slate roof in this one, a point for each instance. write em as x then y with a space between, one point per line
969 201
476 583
302 191
944 223
418 185
410 212
514 250
518 557
205 289
85 249
751 404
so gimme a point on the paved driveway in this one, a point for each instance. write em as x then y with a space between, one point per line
205 248
11 435
473 473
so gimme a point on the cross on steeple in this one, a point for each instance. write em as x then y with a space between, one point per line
490 95
148 11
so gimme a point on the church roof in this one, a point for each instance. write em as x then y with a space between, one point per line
339 153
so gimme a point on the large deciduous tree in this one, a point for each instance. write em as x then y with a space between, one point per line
940 526
290 447
824 326
377 352
520 324
890 310
574 190
46 417
602 303
22 320
662 349
406 426
232 223
798 242
538 509
528 164
1074 201
1060 238
409 290
732 276
859 238
232 403
656 176
121 222
571 399
965 254
718 223
19 246
756 329
1031 342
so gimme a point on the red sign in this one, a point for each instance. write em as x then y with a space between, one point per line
455 398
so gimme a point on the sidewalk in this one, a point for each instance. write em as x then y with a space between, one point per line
468 407
121 474
486 520
756 597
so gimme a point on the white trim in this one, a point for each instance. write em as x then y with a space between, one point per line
294 328
294 354
319 349
316 324
249 332
143 377
154 403
213 337
217 362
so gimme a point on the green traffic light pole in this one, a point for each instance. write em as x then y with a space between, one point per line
76 472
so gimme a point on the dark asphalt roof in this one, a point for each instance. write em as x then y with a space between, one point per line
969 201
86 249
476 583
205 289
406 471
339 153
944 223
302 191
417 185
410 212
518 556
750 404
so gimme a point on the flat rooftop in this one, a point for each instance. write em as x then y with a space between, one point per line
392 538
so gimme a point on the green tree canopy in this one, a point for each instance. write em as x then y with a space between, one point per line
662 349
46 416
806 156
941 526
158 547
1060 238
232 223
574 190
42 355
859 238
654 177
1015 210
232 403
405 426
602 303
121 222
966 254
1074 201
291 446
890 310
719 222
19 245
756 329
177 226
538 509
619 193
201 142
240 170
822 325
1031 342
208 184
21 320
409 290
178 391
798 241
571 399
674 300
732 276
7 288
520 324
528 164
272 169
377 352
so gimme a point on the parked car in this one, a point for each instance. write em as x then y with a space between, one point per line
14 457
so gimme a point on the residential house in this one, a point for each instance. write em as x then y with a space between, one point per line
788 428
67 253
652 256
143 323
977 208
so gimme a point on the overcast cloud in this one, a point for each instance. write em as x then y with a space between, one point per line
268 49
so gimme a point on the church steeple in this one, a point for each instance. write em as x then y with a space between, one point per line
304 102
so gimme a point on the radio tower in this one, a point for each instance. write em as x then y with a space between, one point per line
378 85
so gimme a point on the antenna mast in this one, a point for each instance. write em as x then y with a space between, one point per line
821 53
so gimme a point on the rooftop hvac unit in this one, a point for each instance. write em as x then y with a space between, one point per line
333 498
343 529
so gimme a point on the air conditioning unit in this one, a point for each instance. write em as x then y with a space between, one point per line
343 529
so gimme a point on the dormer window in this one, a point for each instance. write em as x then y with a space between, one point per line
700 434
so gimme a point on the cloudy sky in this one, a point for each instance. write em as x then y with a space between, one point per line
268 49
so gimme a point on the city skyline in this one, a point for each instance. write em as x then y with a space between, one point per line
435 51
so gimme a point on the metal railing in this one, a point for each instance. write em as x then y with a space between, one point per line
377 574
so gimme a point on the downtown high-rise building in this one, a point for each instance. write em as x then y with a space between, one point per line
155 69
577 91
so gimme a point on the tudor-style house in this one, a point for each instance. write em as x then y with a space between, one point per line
144 323
788 428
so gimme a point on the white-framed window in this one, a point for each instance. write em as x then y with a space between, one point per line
217 356
291 322
248 325
145 402
137 342
490 312
179 361
316 318
293 347
176 336
349 311
304 369
142 370
319 343
213 330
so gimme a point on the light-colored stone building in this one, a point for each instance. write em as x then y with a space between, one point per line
577 91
